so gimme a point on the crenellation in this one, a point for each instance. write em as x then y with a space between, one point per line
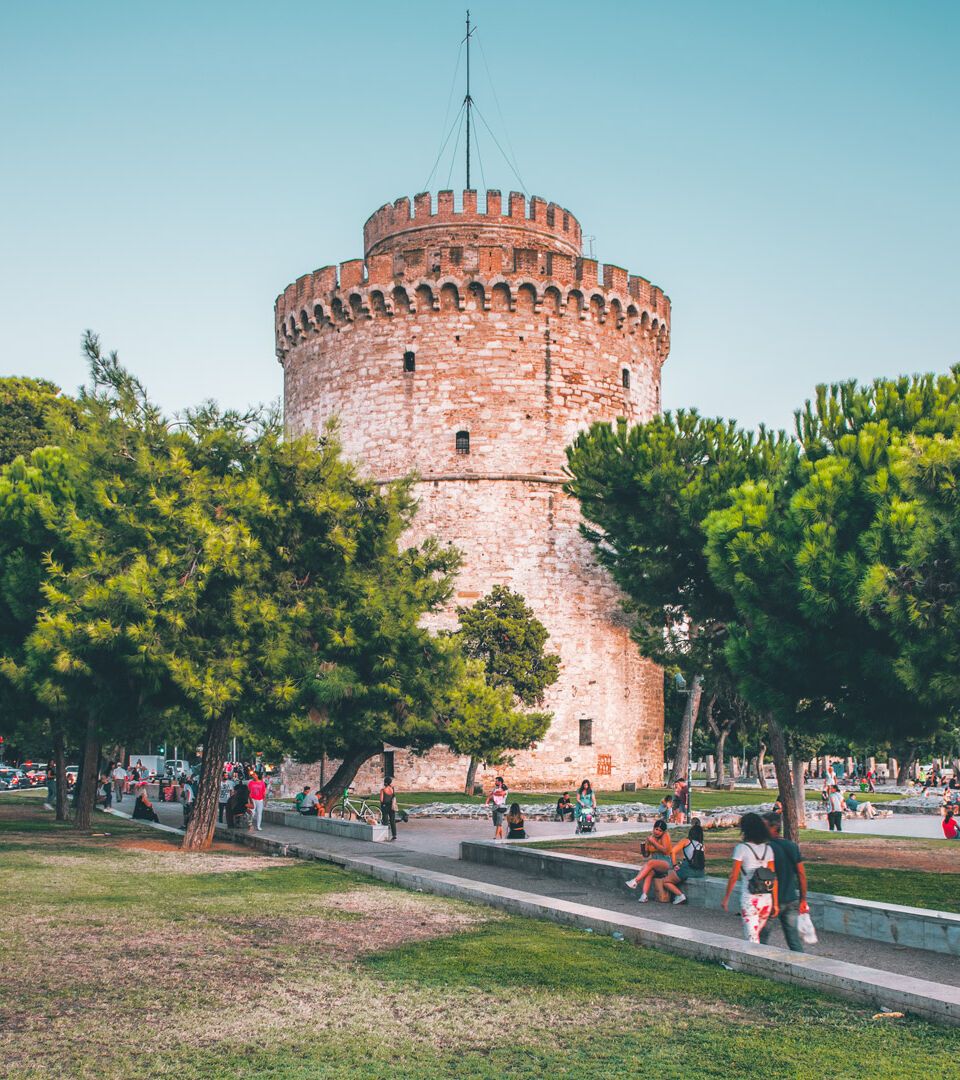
351 273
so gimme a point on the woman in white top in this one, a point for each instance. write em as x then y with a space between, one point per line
753 862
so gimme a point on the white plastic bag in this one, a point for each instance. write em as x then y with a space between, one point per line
806 929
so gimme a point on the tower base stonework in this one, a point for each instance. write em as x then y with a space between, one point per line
471 348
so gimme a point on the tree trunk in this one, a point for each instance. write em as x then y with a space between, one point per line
721 749
788 793
798 770
711 768
681 756
203 819
60 760
906 759
471 776
760 756
87 778
343 777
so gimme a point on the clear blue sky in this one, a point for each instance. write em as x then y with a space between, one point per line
787 172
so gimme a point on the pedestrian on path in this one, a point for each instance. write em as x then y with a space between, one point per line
119 775
791 884
258 794
388 806
586 801
754 864
499 799
187 796
835 809
226 790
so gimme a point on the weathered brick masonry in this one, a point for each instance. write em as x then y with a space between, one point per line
467 322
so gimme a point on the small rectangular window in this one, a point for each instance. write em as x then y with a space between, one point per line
409 361
463 442
586 733
626 378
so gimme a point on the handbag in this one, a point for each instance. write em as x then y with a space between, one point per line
762 879
806 929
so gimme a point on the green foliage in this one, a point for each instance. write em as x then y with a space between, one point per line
482 723
31 414
506 666
503 633
796 549
214 568
645 490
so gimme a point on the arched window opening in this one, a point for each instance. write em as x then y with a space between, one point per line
463 442
409 361
626 378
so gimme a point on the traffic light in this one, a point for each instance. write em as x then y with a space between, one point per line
161 749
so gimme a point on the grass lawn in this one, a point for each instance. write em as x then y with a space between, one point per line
122 957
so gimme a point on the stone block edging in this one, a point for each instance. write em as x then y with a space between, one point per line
896 924
352 830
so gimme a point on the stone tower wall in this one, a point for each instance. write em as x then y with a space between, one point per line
522 343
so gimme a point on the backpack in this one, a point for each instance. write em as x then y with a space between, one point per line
698 860
762 879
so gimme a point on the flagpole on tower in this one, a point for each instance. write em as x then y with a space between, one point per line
468 100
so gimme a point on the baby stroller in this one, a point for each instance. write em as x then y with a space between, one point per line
587 820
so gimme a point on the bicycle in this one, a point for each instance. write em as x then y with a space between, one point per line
348 810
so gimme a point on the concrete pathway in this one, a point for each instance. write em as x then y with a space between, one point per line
433 844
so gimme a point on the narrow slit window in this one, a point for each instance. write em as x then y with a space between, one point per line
463 442
626 378
586 733
409 361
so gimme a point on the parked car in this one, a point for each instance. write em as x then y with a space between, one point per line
13 779
36 773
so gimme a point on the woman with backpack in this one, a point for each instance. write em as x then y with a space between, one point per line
753 863
689 861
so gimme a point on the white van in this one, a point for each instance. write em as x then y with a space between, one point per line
175 766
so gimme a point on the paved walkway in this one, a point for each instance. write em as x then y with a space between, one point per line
433 844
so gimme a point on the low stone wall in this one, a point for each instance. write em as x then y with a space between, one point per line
351 830
918 928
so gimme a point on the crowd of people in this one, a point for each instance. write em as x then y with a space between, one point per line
768 868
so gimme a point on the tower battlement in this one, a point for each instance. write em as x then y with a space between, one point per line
454 278
537 224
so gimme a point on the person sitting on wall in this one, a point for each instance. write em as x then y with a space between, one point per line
665 809
949 825
564 808
659 854
143 808
864 809
515 829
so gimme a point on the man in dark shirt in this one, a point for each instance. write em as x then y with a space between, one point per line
791 884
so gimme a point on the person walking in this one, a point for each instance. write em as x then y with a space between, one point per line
586 801
754 864
388 806
835 809
186 795
118 776
499 799
791 884
258 794
226 790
